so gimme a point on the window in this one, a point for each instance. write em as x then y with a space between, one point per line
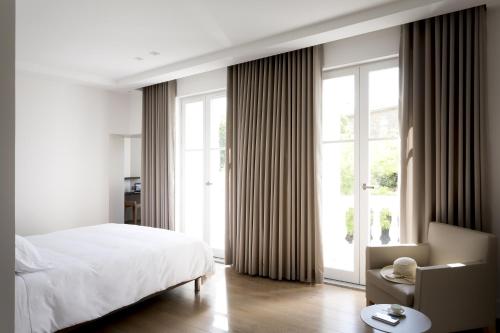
202 169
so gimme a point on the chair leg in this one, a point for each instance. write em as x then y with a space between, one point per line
197 285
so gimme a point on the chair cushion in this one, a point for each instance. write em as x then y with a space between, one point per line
401 293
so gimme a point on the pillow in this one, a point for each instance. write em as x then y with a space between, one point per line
28 259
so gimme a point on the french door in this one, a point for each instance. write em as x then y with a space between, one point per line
360 165
202 169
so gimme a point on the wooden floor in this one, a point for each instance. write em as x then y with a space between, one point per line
230 302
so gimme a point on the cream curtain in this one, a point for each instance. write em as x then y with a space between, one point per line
272 224
158 153
442 102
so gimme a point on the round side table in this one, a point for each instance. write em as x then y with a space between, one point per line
414 322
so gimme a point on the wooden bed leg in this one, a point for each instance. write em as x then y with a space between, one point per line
197 285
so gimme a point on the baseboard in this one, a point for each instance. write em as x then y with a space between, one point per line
344 284
498 308
219 260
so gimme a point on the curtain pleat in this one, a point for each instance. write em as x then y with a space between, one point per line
442 101
272 210
158 153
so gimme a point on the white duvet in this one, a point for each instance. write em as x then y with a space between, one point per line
102 268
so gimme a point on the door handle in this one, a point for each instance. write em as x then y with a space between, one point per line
368 187
208 183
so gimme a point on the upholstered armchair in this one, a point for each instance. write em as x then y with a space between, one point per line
455 281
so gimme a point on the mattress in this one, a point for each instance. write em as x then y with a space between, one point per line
98 269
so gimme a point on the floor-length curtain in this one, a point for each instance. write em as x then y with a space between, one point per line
442 101
158 153
272 224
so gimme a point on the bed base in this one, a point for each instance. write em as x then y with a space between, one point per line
197 288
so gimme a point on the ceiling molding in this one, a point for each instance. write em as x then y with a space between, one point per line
377 18
71 76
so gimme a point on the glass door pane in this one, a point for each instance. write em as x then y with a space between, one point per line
380 155
193 171
193 125
384 155
203 163
360 165
217 180
193 189
339 185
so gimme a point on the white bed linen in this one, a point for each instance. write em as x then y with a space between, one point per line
102 268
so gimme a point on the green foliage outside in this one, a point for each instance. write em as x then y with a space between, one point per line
371 224
384 166
347 170
385 219
222 144
349 223
222 160
222 135
346 127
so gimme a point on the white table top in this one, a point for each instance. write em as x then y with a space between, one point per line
414 322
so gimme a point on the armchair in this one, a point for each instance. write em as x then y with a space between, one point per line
455 281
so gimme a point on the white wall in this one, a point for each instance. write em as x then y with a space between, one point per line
62 152
135 157
116 182
202 83
374 45
125 114
7 149
132 156
135 112
492 132
126 156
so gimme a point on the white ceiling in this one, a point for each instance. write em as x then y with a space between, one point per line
96 41
101 38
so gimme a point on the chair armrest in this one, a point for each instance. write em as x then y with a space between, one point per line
456 296
380 256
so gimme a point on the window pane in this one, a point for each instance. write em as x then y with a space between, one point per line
218 122
383 103
384 198
217 198
193 118
338 108
193 193
338 214
384 156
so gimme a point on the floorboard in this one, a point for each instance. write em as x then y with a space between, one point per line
231 302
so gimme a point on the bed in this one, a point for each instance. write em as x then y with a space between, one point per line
98 269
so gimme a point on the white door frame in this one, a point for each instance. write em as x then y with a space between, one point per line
331 272
364 174
361 165
205 99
